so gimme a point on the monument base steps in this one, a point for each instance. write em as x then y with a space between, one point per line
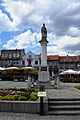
63 106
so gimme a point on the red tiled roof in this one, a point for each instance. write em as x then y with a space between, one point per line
52 57
69 58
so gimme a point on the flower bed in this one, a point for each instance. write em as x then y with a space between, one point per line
21 100
18 94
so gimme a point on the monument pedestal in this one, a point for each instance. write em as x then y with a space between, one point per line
43 75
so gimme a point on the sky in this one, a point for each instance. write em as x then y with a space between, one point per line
21 22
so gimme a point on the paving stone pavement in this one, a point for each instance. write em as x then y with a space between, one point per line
9 84
63 92
68 92
24 116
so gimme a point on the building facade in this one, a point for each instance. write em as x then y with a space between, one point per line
19 58
69 62
52 60
10 58
30 59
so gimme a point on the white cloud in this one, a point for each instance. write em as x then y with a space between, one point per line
10 44
5 23
61 45
73 31
23 40
17 10
55 14
67 40
57 45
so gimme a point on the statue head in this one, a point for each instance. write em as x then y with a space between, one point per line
43 24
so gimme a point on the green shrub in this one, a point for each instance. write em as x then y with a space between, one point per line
37 90
27 96
16 96
1 97
22 98
23 89
9 97
33 97
1 88
78 87
31 89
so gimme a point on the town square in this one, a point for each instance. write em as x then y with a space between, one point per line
39 60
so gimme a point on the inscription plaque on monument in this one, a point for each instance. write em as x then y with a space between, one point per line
43 68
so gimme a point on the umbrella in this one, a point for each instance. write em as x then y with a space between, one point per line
11 68
78 72
1 69
70 71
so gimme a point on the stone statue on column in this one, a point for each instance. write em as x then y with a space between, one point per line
43 69
44 32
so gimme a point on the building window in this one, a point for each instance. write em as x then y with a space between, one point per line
13 62
36 62
18 54
30 56
2 55
23 62
16 62
6 55
29 63
50 64
10 55
14 55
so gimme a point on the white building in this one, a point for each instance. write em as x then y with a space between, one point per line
30 59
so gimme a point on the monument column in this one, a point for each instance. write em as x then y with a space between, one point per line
43 53
43 69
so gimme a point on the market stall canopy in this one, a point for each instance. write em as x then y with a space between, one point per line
11 68
29 69
78 72
25 69
70 71
1 69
